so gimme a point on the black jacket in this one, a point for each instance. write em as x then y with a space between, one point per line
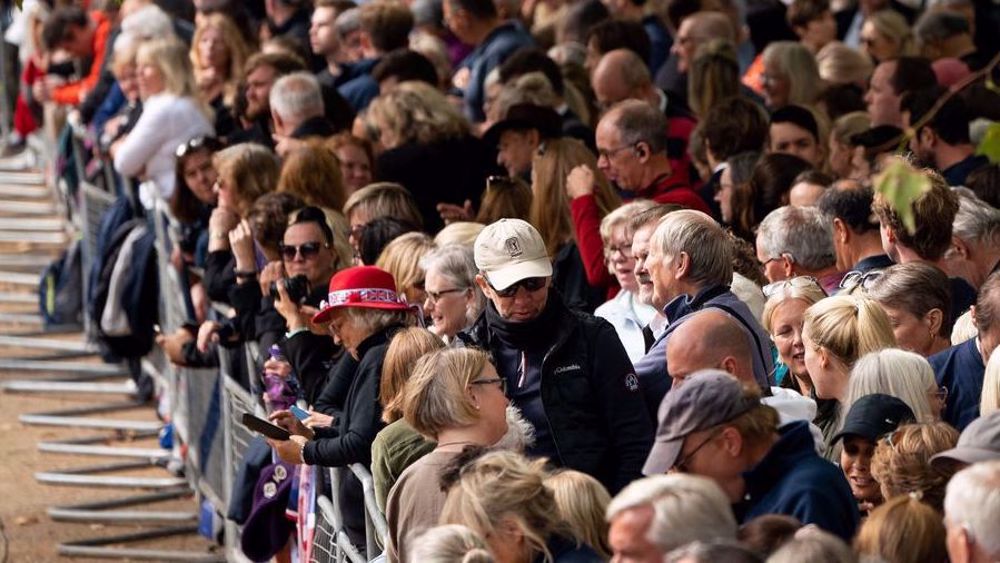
590 395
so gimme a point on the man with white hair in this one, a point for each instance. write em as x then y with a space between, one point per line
798 241
297 110
975 241
971 513
655 515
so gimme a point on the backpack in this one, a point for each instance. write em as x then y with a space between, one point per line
60 291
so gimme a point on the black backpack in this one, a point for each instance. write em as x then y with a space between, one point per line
60 292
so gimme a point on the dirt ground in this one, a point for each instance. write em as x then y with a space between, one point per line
29 535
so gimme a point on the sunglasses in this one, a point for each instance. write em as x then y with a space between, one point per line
799 282
194 144
306 250
529 284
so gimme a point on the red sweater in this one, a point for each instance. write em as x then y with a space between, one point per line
671 189
587 224
72 93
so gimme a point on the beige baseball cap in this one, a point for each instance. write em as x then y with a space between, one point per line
511 250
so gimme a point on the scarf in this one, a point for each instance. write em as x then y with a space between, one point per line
527 335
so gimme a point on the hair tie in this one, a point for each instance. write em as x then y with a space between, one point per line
917 495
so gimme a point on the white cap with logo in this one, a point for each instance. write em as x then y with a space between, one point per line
511 250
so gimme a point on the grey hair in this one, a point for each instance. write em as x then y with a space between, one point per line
972 501
147 23
450 543
686 508
374 320
801 232
939 26
348 21
917 288
891 371
798 65
717 550
621 216
297 96
813 545
702 239
637 121
976 222
457 264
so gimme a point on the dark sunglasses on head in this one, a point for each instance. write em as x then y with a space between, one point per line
207 141
306 250
529 284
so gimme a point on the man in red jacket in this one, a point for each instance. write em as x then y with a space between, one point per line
81 35
632 153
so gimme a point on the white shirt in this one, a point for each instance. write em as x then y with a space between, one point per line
166 122
628 316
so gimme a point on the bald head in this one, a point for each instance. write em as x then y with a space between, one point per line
710 339
621 75
696 30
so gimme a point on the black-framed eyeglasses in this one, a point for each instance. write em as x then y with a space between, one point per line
529 284
608 153
496 380
854 278
306 250
205 141
624 249
799 282
436 296
682 465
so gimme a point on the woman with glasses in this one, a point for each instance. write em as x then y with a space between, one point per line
455 398
624 311
453 302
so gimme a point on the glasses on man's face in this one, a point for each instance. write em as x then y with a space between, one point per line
683 466
306 250
531 285
856 278
499 381
436 296
608 154
799 282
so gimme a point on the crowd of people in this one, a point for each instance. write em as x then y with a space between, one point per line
576 280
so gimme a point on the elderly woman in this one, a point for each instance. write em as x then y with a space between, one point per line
428 149
455 398
453 302
362 312
625 312
171 115
917 298
901 374
503 497
790 75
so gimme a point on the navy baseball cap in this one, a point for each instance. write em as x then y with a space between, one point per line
874 416
707 398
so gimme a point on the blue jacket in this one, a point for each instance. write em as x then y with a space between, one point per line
794 480
498 45
654 380
960 369
357 86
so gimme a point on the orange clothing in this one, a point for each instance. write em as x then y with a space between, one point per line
72 93
751 78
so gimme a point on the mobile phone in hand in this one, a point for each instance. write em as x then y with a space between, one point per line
298 412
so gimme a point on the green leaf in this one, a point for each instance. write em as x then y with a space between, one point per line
902 185
990 145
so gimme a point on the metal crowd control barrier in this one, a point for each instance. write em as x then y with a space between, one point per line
376 527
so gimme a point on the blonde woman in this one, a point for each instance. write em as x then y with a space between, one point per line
401 258
582 502
452 543
841 148
835 333
579 270
901 374
886 35
790 75
902 464
171 116
903 530
218 53
990 401
455 398
429 149
840 64
783 319
502 496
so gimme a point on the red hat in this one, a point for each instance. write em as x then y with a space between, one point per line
367 287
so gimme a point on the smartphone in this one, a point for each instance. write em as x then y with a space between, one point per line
298 412
265 427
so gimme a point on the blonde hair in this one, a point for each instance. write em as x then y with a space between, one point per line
903 530
451 543
964 329
236 45
990 401
810 294
123 55
894 27
891 371
171 58
849 125
798 65
502 487
435 397
549 212
313 174
384 199
839 64
581 502
251 170
418 112
401 258
902 462
848 327
461 232
406 347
